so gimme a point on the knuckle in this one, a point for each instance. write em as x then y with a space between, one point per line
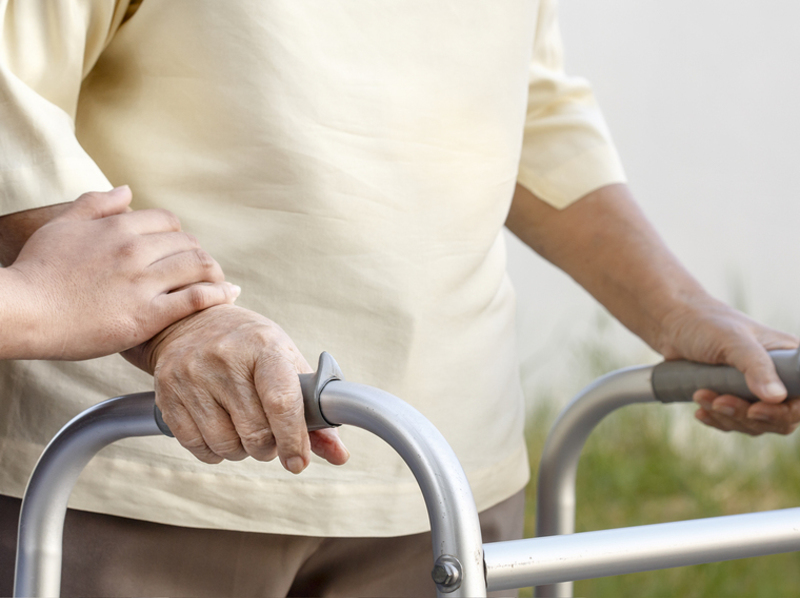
191 239
285 405
204 260
171 221
90 198
260 437
266 454
129 248
208 457
197 446
197 297
229 448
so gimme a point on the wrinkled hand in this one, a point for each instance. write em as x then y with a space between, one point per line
99 279
712 332
227 384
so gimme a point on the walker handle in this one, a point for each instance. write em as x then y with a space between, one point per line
311 386
676 381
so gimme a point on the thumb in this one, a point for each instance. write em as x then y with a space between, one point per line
754 362
99 204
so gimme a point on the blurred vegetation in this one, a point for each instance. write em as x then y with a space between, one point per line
653 463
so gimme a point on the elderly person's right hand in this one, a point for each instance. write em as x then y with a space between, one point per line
227 384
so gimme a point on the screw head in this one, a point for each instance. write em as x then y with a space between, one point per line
447 573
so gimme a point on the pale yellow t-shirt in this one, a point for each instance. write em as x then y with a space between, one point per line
350 164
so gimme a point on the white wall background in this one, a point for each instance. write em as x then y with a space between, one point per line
703 98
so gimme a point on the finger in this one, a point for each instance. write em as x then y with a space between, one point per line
782 418
98 204
731 413
252 426
327 444
704 398
752 359
185 268
216 426
158 246
185 430
724 412
711 418
153 220
279 389
773 339
171 307
705 417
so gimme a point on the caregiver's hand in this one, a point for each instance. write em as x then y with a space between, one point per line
98 279
226 381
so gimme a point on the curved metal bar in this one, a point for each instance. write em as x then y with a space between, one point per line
41 522
448 497
521 563
555 509
457 543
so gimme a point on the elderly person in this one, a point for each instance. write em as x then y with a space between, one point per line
351 165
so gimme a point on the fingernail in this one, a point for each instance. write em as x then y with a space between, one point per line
119 190
237 290
775 390
345 449
725 410
762 417
295 464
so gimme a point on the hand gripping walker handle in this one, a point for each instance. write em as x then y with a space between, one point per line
676 381
311 386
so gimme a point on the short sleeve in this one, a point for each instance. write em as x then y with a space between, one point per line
567 149
47 48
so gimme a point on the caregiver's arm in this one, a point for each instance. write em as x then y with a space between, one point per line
87 279
607 245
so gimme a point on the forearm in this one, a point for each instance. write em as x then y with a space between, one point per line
16 229
607 245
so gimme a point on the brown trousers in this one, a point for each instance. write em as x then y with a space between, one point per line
115 556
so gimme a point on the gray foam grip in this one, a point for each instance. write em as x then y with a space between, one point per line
676 381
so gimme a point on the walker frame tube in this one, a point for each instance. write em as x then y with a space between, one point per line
457 543
41 522
460 560
667 382
553 559
558 468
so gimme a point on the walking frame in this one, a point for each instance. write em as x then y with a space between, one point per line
463 566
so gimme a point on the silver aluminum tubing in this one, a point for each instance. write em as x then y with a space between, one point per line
451 507
555 509
448 497
586 555
41 526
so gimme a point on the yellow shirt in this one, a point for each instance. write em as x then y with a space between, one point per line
350 165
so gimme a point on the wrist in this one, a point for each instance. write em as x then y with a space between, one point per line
146 356
21 317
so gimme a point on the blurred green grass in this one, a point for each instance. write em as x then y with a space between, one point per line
632 474
653 463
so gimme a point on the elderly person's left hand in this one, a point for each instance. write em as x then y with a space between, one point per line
712 332
607 245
